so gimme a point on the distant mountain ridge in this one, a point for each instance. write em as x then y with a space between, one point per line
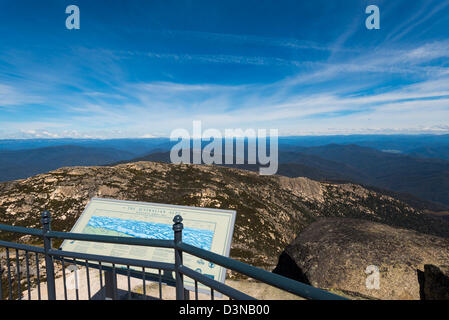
136 146
19 164
440 152
419 174
426 179
424 145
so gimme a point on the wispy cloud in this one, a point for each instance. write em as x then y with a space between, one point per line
428 10
315 87
12 96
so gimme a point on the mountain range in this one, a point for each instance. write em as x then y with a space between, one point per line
414 169
19 164
271 210
423 182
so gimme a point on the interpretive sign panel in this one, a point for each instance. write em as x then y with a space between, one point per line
209 229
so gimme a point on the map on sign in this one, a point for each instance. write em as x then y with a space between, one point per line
201 238
209 229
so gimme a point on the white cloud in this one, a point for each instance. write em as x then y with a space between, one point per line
148 135
322 97
11 96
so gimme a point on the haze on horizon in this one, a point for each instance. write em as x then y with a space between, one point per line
142 70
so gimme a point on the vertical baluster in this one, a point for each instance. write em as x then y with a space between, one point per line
177 228
129 282
101 279
114 281
160 284
64 278
8 262
211 294
49 266
38 277
28 274
144 284
18 274
88 279
196 290
76 280
1 282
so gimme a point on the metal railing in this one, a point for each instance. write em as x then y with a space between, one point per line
20 280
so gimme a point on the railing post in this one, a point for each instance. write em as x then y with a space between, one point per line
177 228
49 267
110 285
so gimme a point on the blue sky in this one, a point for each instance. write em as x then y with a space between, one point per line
144 68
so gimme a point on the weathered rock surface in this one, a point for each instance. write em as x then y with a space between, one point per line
335 253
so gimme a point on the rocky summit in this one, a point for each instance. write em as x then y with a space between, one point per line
342 254
271 210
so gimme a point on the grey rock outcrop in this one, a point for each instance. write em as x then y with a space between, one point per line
334 253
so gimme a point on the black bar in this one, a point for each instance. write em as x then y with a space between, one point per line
1 283
114 281
109 285
101 279
129 282
166 278
16 229
88 280
64 279
46 220
177 228
112 239
113 260
28 274
19 246
160 284
144 290
75 271
214 284
196 290
18 274
8 262
38 277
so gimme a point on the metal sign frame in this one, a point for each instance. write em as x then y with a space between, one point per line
175 209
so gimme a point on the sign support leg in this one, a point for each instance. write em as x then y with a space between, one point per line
109 286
